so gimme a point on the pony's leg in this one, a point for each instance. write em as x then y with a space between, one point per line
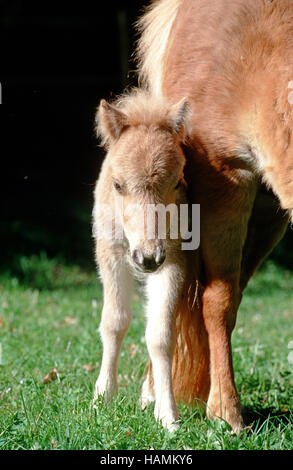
147 392
116 317
224 232
220 304
163 290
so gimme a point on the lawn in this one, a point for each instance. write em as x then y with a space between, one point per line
50 353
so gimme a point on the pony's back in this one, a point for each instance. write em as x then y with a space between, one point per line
233 60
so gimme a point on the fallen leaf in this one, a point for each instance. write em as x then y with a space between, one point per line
69 321
53 443
89 367
133 350
53 375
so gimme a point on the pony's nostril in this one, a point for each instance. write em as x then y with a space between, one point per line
138 257
160 255
149 263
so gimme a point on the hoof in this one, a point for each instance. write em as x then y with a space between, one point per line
231 414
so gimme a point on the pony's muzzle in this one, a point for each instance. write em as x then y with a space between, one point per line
149 263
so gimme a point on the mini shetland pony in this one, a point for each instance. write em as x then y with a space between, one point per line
144 167
232 60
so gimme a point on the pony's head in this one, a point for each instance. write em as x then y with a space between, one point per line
145 167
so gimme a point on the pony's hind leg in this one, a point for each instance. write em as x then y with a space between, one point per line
147 392
163 290
116 317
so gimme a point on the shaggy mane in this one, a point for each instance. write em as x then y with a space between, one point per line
154 28
140 107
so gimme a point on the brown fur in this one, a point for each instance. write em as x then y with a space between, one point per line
235 72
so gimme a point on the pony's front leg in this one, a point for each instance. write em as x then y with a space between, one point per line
163 291
221 300
116 317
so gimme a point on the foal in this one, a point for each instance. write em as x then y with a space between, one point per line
144 166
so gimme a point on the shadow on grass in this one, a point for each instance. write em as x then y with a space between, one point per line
269 278
257 416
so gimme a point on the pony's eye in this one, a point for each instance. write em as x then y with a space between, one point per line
117 186
178 185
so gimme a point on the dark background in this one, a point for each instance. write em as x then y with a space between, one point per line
57 61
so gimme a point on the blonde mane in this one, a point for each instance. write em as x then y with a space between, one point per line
141 107
154 28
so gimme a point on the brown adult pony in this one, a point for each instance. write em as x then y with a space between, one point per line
232 60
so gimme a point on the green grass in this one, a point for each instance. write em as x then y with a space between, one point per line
49 318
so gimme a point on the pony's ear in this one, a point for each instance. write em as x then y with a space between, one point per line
110 121
179 115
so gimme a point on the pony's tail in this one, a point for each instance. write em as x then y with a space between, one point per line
191 378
